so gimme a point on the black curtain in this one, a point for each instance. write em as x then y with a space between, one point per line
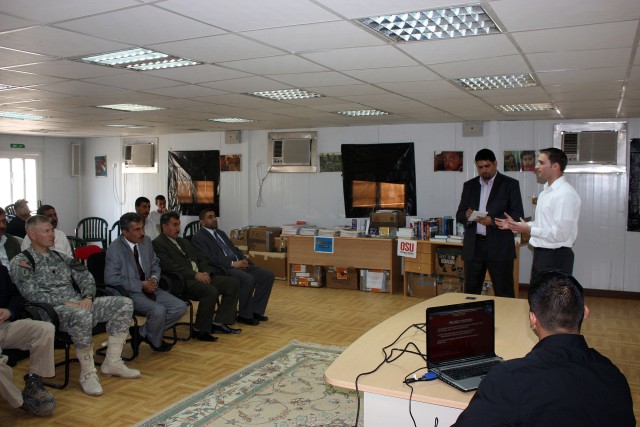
190 173
633 216
392 163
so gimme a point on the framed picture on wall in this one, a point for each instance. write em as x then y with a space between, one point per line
101 166
523 161
230 162
448 161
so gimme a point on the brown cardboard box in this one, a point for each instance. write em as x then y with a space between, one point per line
275 262
243 249
448 284
280 243
341 277
388 219
374 280
261 239
239 237
422 285
449 261
306 275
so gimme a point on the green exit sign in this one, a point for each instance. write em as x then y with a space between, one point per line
17 146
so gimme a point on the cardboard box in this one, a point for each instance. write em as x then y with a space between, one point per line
422 285
448 284
280 243
243 249
306 275
261 239
275 262
374 280
341 277
388 219
449 261
239 236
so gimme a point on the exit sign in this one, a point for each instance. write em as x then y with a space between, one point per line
17 146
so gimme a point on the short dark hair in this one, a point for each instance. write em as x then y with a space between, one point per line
205 211
166 217
485 154
19 203
160 197
2 212
557 300
556 155
126 220
42 209
141 200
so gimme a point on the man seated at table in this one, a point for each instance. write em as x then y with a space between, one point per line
561 382
61 243
132 264
16 226
203 281
256 283
9 245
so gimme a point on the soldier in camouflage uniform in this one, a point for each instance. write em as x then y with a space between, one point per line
47 276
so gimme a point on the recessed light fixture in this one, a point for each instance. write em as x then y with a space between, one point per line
283 94
232 120
433 24
130 126
6 87
139 59
496 82
362 113
21 116
130 107
523 108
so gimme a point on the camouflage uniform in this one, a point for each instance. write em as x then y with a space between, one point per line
51 282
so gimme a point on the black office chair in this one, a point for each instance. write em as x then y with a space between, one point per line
114 228
93 229
190 229
173 284
76 242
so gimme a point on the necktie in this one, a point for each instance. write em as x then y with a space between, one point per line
225 248
150 295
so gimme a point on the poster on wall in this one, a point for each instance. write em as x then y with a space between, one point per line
194 181
633 216
101 166
330 162
520 161
230 162
448 161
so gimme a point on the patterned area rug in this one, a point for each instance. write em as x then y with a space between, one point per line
285 389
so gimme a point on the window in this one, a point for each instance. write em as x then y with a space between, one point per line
22 174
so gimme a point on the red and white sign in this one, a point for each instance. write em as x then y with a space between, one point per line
407 248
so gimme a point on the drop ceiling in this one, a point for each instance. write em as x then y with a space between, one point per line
583 54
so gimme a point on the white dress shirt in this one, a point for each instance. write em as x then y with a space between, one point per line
61 243
557 213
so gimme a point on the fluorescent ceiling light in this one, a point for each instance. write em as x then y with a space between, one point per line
130 107
21 116
139 59
232 120
129 126
283 94
6 87
433 24
496 82
521 108
362 113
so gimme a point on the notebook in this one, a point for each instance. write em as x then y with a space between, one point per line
461 342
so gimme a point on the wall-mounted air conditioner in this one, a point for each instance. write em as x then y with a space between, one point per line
293 151
598 147
140 155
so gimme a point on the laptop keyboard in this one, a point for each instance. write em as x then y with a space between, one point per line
464 372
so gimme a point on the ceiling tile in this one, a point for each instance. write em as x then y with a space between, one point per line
513 64
580 59
53 11
275 65
361 58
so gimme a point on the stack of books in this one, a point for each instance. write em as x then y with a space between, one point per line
455 239
351 233
291 229
328 232
308 230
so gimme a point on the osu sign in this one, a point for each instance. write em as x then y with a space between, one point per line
407 248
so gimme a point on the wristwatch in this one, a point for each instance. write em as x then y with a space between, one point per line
88 296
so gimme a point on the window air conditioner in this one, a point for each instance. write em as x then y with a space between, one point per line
593 147
292 151
139 155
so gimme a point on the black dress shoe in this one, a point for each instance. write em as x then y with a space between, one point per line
163 347
260 317
204 336
250 322
136 339
224 329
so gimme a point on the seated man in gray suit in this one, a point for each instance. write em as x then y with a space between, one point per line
256 283
132 264
178 256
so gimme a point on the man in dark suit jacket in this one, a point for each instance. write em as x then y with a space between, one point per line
177 255
256 283
9 245
485 245
162 309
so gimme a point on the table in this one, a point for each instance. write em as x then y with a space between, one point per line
358 252
386 397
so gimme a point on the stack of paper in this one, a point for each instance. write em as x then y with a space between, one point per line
308 230
351 233
328 232
291 229
404 233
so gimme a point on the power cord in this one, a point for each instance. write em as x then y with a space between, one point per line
259 200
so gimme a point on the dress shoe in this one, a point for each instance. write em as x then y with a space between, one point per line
224 329
163 347
204 336
136 339
250 322
260 317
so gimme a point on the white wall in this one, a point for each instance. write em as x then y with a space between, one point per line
56 187
605 252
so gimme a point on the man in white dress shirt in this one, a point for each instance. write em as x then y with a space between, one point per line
555 228
61 243
143 207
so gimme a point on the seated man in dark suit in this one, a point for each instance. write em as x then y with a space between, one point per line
132 264
9 245
17 225
256 283
178 256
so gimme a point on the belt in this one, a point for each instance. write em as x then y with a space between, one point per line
481 237
561 248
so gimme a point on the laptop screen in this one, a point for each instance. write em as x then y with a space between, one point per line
460 331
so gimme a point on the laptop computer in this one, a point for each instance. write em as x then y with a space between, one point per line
461 342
